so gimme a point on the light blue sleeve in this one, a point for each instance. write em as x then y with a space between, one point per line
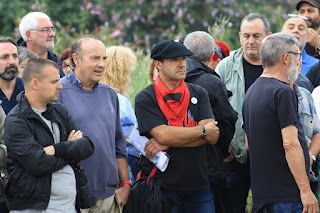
127 115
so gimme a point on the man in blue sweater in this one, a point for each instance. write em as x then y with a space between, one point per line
95 108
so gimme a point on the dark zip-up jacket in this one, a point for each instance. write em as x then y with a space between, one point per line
30 168
200 74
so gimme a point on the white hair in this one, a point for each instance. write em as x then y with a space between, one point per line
30 22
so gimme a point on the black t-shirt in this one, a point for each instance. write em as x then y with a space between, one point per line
314 75
187 169
251 73
269 106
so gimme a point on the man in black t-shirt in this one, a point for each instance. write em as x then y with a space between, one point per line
279 158
178 117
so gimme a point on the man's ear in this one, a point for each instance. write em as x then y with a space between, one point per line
35 84
285 59
28 34
75 58
213 57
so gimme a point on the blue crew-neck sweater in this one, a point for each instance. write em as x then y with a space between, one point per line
96 112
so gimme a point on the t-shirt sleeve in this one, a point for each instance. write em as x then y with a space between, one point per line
148 112
286 104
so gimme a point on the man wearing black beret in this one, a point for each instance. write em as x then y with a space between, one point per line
178 118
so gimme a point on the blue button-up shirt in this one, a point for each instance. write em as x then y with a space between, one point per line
7 104
74 80
307 113
307 62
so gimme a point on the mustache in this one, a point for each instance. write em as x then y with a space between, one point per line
10 67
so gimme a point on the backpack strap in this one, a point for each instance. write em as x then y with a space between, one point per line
152 173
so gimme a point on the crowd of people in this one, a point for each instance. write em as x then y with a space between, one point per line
230 121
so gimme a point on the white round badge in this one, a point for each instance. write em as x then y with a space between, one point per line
194 100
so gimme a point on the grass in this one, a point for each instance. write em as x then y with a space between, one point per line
140 76
249 202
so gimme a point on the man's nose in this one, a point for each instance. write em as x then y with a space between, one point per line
251 40
13 60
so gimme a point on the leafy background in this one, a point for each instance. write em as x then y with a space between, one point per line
140 24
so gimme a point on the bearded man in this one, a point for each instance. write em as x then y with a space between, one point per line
311 10
10 84
273 128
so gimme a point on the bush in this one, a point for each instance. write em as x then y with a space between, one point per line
142 23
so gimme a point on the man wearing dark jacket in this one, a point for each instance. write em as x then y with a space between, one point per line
38 35
43 143
199 72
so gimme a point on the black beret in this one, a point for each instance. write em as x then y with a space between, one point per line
169 49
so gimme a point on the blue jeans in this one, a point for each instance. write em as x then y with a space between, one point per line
191 202
237 186
133 167
284 208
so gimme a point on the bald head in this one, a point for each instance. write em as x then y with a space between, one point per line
297 26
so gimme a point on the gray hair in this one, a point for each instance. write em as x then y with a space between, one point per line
76 46
254 16
201 44
275 46
30 22
24 53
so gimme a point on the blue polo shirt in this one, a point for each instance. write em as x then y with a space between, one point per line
6 104
307 62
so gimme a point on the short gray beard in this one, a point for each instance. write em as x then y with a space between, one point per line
292 72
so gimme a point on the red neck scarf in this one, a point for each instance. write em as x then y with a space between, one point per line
173 103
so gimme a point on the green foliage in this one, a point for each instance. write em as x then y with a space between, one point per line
140 76
140 24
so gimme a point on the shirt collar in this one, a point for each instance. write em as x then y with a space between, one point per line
297 90
75 81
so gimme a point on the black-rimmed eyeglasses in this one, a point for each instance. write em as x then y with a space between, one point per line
46 29
298 55
65 66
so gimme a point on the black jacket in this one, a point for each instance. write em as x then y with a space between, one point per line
200 74
51 56
30 169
